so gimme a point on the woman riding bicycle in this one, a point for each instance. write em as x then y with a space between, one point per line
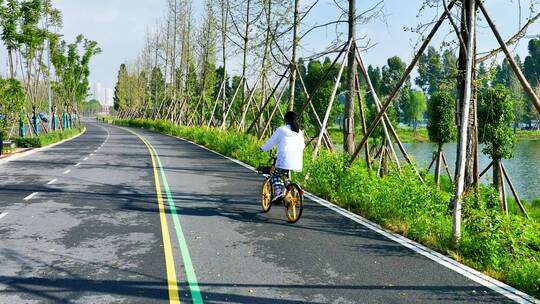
290 142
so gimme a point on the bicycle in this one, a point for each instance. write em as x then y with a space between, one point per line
293 199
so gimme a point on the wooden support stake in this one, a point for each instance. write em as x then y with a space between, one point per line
362 121
258 116
327 139
246 105
486 169
224 119
517 70
446 168
386 121
514 192
269 120
396 90
330 103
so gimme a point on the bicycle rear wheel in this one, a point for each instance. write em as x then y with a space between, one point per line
294 203
266 196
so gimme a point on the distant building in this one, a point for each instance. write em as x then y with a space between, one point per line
105 96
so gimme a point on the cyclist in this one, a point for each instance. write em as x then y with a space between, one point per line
290 142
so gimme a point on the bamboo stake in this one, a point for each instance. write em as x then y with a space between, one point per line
327 139
330 103
245 108
503 188
517 70
269 120
362 120
396 90
258 116
486 169
514 192
386 121
224 119
319 85
215 103
446 167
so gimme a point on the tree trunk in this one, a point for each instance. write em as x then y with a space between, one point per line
348 122
470 17
293 69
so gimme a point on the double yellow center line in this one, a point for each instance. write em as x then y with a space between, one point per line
172 282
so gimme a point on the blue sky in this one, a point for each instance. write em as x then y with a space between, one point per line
120 27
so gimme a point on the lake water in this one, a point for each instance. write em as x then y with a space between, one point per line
523 168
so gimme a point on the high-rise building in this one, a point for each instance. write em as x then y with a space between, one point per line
109 95
105 96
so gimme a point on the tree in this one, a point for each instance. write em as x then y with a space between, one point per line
72 66
495 113
415 108
315 72
11 103
441 124
531 66
120 89
391 74
91 107
430 71
505 76
449 71
531 69
9 18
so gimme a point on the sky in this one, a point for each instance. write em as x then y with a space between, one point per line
120 27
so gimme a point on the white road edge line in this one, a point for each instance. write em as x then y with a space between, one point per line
77 164
468 272
30 196
67 171
3 214
52 182
85 159
91 154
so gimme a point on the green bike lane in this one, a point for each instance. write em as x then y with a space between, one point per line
239 255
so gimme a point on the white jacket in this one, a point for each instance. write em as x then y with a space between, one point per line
290 154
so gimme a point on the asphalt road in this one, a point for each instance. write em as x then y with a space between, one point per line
99 234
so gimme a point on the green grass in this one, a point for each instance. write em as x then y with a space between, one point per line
505 247
43 140
406 134
528 135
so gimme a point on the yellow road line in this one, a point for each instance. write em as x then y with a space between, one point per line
169 259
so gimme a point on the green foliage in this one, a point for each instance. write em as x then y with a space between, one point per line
391 74
531 66
72 65
430 71
315 73
91 107
441 124
505 247
495 113
415 108
11 102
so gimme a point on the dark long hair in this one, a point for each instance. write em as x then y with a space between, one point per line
290 119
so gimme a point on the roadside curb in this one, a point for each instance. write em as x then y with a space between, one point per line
468 272
32 151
